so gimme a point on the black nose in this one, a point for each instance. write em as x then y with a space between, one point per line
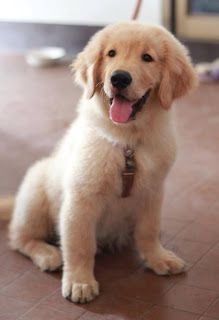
120 79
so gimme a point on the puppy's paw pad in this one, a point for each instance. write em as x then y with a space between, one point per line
166 262
80 292
49 260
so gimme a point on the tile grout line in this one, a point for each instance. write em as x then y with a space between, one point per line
37 303
209 249
137 299
54 308
178 283
80 315
141 300
181 309
205 289
147 312
204 313
177 309
181 230
15 279
196 241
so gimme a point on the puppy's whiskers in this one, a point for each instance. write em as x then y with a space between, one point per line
102 93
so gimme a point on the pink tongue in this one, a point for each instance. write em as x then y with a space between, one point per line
120 110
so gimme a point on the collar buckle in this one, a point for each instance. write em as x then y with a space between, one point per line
128 173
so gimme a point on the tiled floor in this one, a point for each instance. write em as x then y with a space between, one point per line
35 107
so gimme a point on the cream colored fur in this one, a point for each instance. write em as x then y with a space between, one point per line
76 192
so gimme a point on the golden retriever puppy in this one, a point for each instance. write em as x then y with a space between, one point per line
104 183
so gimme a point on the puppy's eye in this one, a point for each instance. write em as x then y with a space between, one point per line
111 53
147 57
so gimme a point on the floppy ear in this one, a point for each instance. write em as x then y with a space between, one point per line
178 75
86 65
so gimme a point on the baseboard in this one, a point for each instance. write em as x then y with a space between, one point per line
202 51
22 36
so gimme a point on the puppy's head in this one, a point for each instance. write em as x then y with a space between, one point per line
127 64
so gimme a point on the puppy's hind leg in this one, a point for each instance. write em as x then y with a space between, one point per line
45 256
31 225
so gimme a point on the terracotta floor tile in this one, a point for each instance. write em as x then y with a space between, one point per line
143 285
182 177
16 262
188 250
208 318
42 312
109 305
127 259
11 309
166 313
32 286
215 217
207 192
6 276
170 228
202 278
210 217
179 209
108 276
111 267
95 316
56 301
188 175
196 199
189 298
201 233
210 261
213 310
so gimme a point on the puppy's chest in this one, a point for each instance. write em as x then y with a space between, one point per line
119 216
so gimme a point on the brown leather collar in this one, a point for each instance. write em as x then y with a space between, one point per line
128 173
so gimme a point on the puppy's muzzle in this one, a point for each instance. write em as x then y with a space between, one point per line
121 79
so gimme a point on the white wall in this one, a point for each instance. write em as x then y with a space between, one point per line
91 12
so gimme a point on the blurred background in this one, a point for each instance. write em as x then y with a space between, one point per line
69 23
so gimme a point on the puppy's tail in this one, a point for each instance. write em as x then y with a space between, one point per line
6 207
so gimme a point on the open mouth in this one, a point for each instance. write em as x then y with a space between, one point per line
122 110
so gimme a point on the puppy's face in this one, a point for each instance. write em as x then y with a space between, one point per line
130 71
129 63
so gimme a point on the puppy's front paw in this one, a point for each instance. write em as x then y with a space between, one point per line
164 262
49 258
79 292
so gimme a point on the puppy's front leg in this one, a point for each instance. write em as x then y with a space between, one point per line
78 239
147 232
